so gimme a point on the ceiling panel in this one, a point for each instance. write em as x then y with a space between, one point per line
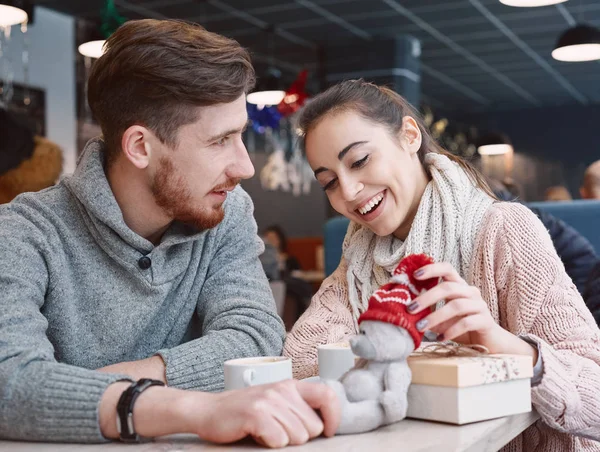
461 40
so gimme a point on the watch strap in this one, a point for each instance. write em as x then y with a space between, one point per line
125 405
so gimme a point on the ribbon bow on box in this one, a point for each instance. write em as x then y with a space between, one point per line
484 367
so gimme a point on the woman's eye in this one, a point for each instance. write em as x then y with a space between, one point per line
329 185
360 162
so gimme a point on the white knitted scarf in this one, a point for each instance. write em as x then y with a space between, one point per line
445 227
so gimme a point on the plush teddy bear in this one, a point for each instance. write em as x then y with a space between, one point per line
374 392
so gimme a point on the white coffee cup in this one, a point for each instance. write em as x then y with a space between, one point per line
335 360
244 372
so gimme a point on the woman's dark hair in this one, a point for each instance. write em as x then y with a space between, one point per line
379 105
278 231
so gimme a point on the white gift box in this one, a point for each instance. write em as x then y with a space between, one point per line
460 390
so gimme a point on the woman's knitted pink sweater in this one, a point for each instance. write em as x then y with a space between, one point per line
528 292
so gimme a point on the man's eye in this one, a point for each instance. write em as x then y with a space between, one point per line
222 141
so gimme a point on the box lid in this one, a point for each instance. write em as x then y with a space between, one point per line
463 371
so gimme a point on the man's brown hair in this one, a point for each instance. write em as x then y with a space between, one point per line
156 73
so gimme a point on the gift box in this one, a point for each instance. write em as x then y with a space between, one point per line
464 389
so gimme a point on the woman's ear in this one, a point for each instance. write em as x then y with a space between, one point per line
410 134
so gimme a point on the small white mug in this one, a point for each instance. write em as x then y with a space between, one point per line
244 372
335 360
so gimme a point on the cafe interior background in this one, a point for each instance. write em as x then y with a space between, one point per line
480 72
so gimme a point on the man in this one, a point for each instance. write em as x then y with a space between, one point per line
144 263
591 182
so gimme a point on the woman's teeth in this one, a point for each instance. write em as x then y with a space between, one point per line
371 204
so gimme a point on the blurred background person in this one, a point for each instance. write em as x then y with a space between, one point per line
591 295
575 251
591 182
558 193
297 291
275 236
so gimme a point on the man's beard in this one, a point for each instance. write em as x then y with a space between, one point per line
173 195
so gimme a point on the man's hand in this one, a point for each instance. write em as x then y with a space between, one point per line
153 367
275 415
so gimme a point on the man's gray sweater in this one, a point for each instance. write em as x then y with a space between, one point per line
74 297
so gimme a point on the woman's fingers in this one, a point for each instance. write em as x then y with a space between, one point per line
439 270
444 291
466 324
450 312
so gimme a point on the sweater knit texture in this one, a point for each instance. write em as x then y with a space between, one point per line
73 298
528 292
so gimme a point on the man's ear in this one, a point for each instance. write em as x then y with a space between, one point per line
410 134
136 143
583 192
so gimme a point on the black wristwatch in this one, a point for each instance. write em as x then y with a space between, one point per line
125 428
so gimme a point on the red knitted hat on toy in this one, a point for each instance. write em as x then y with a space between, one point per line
389 302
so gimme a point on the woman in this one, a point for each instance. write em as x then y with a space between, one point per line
504 285
296 289
275 236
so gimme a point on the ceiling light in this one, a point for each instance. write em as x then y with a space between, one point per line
494 144
12 13
93 49
494 149
580 43
530 3
273 97
268 89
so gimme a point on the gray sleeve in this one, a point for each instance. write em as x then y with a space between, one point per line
40 399
538 367
236 307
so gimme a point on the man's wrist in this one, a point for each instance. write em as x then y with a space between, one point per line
108 409
194 409
126 405
158 411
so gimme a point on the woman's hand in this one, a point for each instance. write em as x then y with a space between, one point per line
465 318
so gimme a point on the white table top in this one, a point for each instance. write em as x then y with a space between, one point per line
408 436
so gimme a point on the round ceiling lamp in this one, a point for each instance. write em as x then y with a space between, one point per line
270 97
12 13
494 144
580 43
268 90
92 49
530 3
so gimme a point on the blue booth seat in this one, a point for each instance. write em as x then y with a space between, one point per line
333 237
582 215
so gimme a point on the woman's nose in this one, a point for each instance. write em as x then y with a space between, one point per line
350 189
